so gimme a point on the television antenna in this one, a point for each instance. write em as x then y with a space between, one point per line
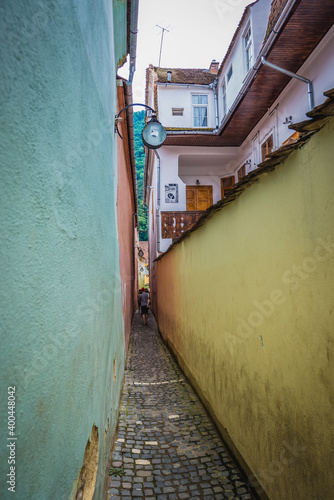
162 38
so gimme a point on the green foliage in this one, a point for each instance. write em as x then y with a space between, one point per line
139 124
116 471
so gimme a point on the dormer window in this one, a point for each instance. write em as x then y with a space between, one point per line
248 48
200 110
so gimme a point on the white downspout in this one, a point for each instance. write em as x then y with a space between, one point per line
133 38
214 87
293 75
158 199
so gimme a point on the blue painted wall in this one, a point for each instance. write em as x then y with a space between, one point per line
61 310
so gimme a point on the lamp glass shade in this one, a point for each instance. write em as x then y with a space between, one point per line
154 134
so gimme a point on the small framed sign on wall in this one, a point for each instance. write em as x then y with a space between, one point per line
171 193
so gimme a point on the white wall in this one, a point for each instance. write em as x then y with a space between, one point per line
293 101
151 202
208 171
210 164
179 96
257 19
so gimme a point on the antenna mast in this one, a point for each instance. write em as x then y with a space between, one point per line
162 38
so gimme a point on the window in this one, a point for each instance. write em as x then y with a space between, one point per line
229 74
224 98
267 147
248 49
241 172
200 110
177 111
227 183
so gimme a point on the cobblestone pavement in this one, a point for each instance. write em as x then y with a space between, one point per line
166 446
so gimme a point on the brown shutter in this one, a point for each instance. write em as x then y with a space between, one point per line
227 183
241 172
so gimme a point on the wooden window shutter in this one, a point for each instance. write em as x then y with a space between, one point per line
241 172
267 147
227 183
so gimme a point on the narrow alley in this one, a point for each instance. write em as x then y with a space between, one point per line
166 446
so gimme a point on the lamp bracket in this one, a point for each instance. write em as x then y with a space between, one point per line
118 118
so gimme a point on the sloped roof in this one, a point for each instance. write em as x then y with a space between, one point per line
193 76
276 10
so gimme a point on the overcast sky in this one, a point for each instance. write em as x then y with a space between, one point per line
199 31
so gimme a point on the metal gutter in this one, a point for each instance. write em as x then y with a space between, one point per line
163 84
147 154
189 132
133 38
293 75
129 114
134 248
158 199
214 87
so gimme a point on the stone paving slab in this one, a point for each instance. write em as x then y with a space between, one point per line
166 445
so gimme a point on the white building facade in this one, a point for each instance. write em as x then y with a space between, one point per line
221 123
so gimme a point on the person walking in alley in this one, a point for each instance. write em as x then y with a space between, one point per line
144 301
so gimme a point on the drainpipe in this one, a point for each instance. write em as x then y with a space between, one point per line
133 38
134 225
129 113
158 198
214 87
293 75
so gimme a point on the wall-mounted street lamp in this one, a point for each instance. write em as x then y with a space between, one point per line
153 134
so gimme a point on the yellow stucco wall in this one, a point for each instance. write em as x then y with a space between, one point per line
246 303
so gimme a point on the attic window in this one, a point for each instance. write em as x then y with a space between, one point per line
177 111
229 74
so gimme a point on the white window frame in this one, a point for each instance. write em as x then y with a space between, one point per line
248 47
206 106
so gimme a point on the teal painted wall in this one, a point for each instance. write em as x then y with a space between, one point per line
120 29
61 308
